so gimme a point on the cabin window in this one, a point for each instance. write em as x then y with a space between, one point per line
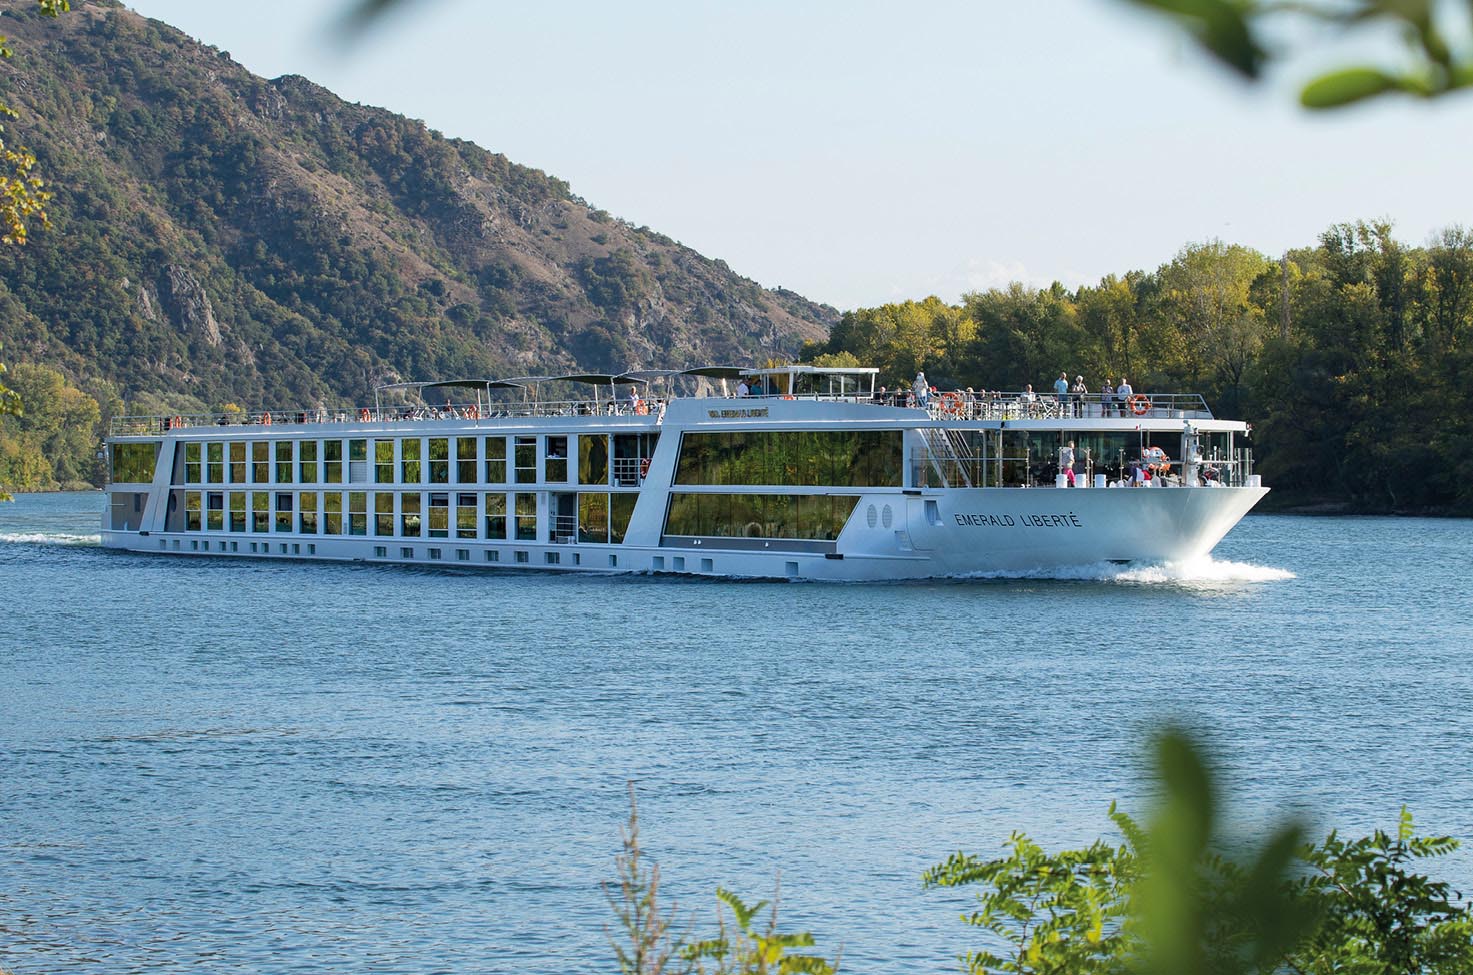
792 516
332 512
261 462
593 517
192 511
307 462
133 463
332 461
495 516
192 467
439 460
383 513
495 460
465 461
555 462
283 462
215 511
848 458
357 461
215 463
237 462
593 459
283 511
307 516
465 515
409 515
526 513
357 513
439 516
526 459
260 511
383 462
237 511
621 509
409 461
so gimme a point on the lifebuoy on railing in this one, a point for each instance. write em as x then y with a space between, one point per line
472 412
786 396
642 408
1140 404
364 415
644 467
951 403
266 419
176 423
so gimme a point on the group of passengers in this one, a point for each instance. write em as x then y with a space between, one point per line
1068 399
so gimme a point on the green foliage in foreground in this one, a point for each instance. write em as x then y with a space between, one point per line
1178 899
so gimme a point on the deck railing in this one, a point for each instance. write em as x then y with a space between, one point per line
991 405
931 468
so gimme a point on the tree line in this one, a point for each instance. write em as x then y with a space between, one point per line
1346 356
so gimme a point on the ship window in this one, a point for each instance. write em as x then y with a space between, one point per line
526 508
357 461
332 512
261 462
439 516
555 463
492 555
409 520
593 517
191 511
522 557
383 513
593 459
237 510
357 513
465 515
237 462
215 463
307 462
133 463
332 461
846 458
383 462
191 463
462 555
495 516
526 460
793 516
621 508
434 553
260 511
283 511
439 460
283 462
380 551
465 460
552 558
495 460
406 553
409 466
307 516
215 511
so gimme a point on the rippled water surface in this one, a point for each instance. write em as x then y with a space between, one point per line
240 766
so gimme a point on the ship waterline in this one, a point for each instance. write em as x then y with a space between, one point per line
820 479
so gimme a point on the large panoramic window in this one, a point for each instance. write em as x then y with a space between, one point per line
799 458
593 517
237 462
192 511
260 511
526 508
307 461
383 513
357 513
526 459
261 462
465 460
307 515
237 511
332 462
495 460
621 509
283 511
133 463
465 514
215 463
439 516
555 461
215 511
357 461
409 515
593 459
794 516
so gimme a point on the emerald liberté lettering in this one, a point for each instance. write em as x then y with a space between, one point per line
975 520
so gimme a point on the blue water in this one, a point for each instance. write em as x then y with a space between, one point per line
239 766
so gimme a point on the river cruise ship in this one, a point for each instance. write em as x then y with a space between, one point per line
795 472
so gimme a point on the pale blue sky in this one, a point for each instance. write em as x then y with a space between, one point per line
859 151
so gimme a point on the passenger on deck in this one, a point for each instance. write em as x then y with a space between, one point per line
1066 462
1061 391
1123 393
1077 393
922 390
1107 399
743 389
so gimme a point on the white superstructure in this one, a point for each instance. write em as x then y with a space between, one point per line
814 476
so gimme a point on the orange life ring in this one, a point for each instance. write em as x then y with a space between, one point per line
177 423
1140 404
266 420
472 412
951 403
786 396
644 467
642 408
363 414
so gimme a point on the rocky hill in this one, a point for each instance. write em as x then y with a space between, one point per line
221 237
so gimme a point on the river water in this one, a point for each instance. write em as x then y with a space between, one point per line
244 766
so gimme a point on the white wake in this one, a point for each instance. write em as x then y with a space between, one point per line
1199 571
49 538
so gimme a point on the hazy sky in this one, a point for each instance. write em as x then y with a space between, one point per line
859 151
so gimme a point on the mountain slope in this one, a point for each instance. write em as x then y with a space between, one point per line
217 236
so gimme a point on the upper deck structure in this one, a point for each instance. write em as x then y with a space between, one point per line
788 472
